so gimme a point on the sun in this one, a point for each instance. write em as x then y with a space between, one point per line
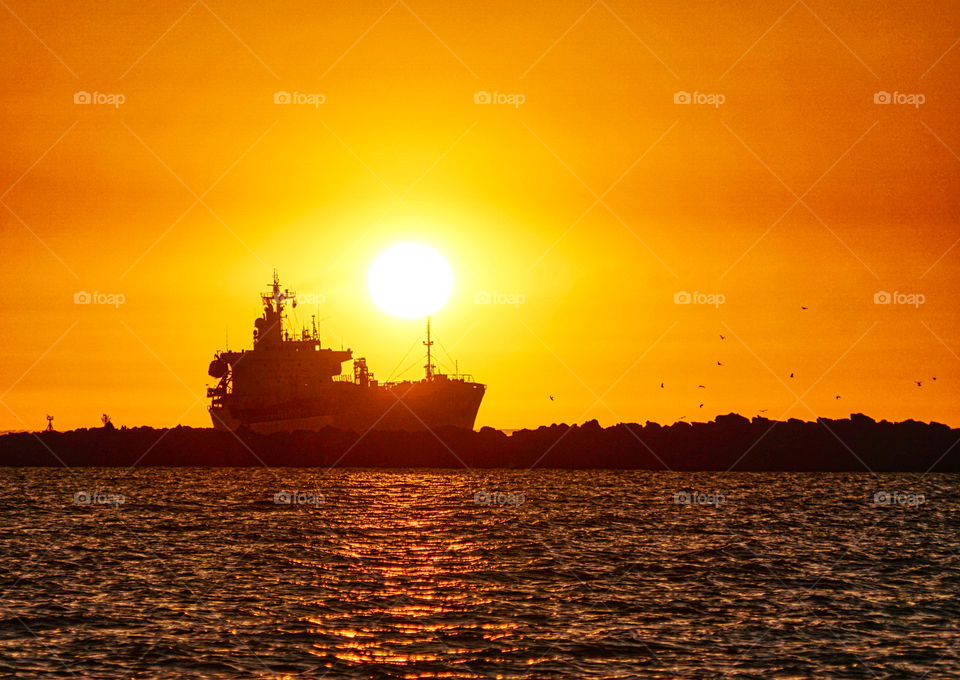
410 280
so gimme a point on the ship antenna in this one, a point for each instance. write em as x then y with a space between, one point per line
278 302
429 343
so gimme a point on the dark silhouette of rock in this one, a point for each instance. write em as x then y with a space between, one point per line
731 441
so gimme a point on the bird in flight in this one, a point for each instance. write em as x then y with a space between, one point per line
551 397
837 397
764 410
661 386
721 337
791 375
919 384
934 377
802 307
719 364
701 405
702 387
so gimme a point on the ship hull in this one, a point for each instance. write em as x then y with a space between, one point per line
347 406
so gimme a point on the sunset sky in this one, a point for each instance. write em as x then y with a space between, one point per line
581 201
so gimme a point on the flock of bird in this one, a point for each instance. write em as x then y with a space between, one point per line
763 410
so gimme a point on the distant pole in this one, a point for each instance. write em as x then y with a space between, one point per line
429 343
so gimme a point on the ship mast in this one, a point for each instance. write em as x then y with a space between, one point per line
268 329
277 301
429 343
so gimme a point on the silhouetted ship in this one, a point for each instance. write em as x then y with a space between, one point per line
286 383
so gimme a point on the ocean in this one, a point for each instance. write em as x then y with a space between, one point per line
305 573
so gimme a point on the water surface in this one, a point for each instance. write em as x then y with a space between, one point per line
199 573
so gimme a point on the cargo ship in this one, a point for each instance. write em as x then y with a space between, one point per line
291 382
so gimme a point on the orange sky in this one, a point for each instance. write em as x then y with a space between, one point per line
597 199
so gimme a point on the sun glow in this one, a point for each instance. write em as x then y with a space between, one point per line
410 280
